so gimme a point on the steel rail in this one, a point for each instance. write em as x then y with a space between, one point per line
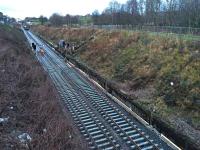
81 97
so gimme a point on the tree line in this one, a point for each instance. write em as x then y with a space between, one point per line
150 12
184 13
58 20
4 19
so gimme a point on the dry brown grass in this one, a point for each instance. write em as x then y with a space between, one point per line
36 107
144 65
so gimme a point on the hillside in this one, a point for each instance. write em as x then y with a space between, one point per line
161 71
31 115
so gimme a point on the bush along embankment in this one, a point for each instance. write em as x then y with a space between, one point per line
31 115
160 71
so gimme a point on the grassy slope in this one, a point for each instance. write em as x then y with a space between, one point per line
146 65
25 87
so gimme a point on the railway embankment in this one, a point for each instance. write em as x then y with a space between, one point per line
31 115
159 73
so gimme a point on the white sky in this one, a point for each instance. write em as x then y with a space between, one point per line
35 8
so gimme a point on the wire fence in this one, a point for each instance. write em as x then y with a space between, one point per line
165 29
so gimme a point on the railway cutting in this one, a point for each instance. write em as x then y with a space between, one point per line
103 123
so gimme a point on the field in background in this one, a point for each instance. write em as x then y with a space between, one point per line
185 33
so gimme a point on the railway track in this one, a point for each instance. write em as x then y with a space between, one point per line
103 123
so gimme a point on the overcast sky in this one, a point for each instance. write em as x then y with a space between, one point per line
35 8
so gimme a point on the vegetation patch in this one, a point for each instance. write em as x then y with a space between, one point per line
31 115
161 71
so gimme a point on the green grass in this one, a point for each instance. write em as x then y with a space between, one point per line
6 27
139 59
85 20
187 37
147 58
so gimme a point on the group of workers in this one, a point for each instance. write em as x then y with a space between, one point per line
62 44
41 50
63 47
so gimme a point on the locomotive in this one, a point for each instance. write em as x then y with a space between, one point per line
26 27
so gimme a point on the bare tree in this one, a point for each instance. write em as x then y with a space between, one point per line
43 19
1 16
56 20
151 12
